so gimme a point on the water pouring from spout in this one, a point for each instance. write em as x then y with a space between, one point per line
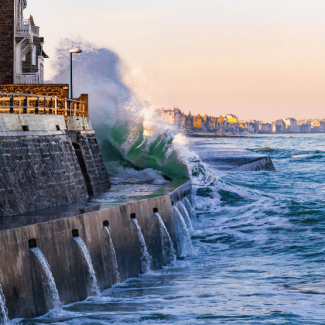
146 259
185 215
169 254
112 253
184 239
52 296
92 275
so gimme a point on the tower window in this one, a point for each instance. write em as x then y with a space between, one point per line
34 56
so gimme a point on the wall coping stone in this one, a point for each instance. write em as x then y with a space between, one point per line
16 122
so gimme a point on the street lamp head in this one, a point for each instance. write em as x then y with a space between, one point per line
75 51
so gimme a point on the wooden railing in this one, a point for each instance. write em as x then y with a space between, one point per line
14 103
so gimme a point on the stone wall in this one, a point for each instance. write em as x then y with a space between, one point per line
87 149
6 41
43 164
59 90
94 162
38 173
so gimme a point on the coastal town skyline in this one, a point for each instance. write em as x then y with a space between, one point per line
257 59
230 123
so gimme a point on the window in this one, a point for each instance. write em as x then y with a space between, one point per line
34 56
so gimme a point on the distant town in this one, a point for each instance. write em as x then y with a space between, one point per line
230 123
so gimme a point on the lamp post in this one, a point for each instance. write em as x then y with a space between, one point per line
71 52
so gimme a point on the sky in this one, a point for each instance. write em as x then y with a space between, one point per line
257 59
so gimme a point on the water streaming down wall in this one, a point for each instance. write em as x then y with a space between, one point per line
112 257
20 278
185 215
188 206
169 254
184 244
146 259
92 275
4 319
51 294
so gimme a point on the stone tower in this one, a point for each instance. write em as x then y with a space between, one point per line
21 47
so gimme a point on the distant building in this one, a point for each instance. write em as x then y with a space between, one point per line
265 128
231 118
201 122
188 121
172 116
291 125
279 126
304 127
21 47
250 126
317 126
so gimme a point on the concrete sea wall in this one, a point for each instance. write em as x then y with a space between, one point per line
21 283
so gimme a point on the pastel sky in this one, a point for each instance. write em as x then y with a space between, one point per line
258 59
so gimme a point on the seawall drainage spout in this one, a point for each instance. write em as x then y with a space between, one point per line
185 215
92 275
52 299
112 256
189 207
184 244
169 254
146 259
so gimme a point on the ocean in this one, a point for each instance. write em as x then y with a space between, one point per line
258 247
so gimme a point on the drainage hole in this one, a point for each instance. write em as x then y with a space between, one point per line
75 233
32 243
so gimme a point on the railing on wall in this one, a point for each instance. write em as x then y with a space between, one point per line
27 78
24 28
14 103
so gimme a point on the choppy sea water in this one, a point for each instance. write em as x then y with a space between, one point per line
259 249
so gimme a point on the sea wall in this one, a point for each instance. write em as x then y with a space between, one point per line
40 167
265 163
86 147
22 287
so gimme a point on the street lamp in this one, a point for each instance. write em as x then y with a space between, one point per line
71 52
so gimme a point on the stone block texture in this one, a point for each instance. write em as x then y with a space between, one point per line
59 90
38 173
94 162
7 41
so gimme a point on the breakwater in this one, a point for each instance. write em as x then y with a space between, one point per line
76 251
